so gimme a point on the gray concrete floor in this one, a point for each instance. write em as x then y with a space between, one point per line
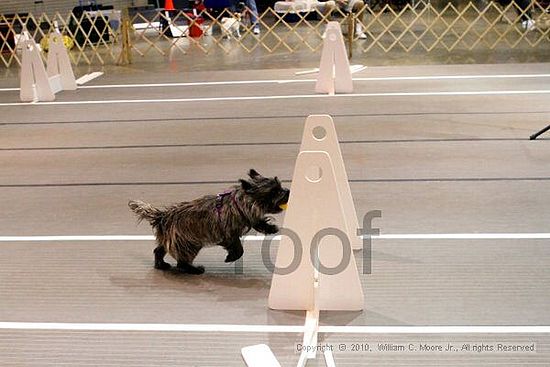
431 164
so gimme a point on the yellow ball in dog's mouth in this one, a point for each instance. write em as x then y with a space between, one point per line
283 206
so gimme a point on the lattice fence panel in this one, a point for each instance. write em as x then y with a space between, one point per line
98 37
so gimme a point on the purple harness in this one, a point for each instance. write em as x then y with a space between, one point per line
219 203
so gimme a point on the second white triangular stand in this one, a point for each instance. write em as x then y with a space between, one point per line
35 85
320 134
314 207
60 71
334 70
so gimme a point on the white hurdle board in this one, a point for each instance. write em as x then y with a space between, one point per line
60 71
315 205
39 84
35 84
334 70
320 135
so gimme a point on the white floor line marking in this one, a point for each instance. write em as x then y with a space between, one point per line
414 236
152 327
284 81
447 77
276 328
435 329
463 236
298 96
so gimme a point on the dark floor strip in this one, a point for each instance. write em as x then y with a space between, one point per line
237 144
270 117
375 180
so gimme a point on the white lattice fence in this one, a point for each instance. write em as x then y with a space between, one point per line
102 38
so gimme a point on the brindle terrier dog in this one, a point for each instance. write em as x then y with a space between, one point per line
183 229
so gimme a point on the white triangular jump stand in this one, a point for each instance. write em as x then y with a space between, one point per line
326 277
320 135
37 84
322 216
60 71
334 70
315 204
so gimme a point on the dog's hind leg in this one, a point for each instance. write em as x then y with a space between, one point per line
187 268
234 250
186 255
160 264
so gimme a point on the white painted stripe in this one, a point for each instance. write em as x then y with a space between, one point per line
438 236
436 329
88 77
299 96
152 327
76 238
198 84
184 84
285 81
232 328
463 236
414 236
451 77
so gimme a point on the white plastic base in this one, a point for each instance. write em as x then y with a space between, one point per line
259 355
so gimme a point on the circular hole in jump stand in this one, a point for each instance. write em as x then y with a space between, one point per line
319 133
314 174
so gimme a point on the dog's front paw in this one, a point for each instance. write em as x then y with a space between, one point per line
198 270
271 229
234 256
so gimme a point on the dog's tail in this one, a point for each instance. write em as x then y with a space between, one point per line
145 211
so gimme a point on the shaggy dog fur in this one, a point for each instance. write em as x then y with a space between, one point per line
183 229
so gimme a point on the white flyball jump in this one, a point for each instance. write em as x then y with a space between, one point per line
39 84
325 277
320 135
315 269
334 70
60 70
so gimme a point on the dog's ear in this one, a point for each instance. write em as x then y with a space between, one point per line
253 173
247 186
